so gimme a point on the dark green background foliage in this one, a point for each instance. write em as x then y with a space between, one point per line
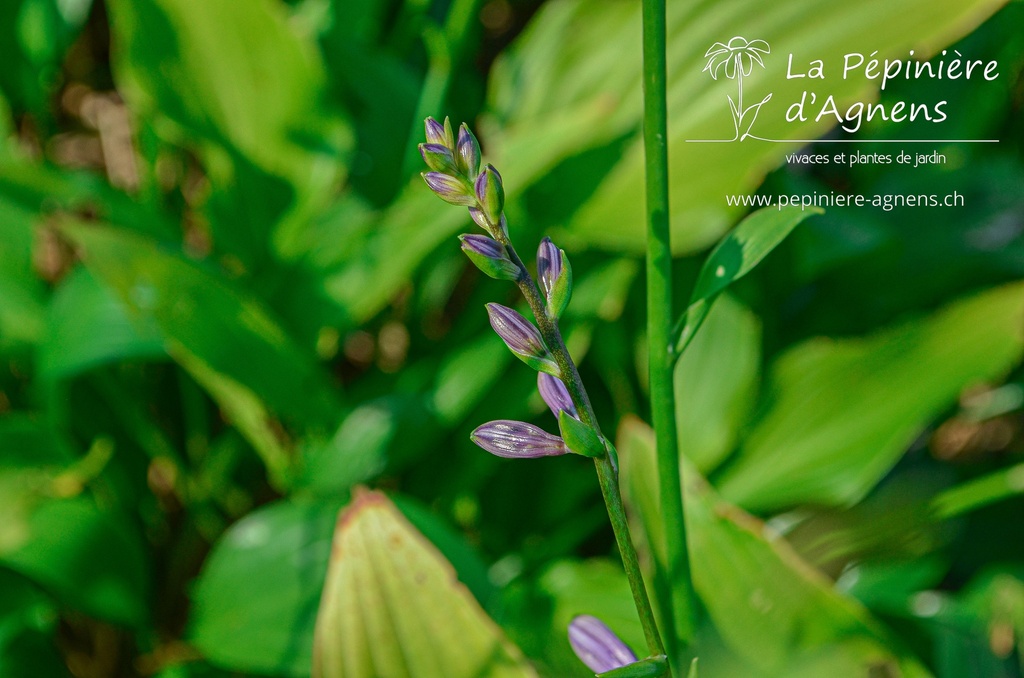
226 299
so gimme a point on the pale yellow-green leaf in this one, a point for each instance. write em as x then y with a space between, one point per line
393 607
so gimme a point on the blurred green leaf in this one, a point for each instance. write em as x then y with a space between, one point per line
62 543
214 328
234 74
735 256
716 382
88 326
239 82
578 55
22 314
824 437
33 37
27 623
282 550
375 436
978 492
391 606
980 630
768 605
68 551
254 604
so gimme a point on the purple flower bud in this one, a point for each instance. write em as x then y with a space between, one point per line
517 440
489 256
449 189
597 646
555 394
555 276
549 265
484 246
522 338
438 158
435 132
490 193
467 152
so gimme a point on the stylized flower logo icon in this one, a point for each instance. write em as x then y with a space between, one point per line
737 58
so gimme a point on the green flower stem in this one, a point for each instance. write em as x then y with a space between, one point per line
681 608
607 474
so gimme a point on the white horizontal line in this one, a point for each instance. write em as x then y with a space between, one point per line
849 141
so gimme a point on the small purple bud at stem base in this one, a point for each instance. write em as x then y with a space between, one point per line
597 646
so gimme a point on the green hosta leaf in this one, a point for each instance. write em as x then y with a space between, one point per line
68 550
392 607
768 605
716 383
281 551
56 535
22 313
580 55
223 71
843 411
220 330
88 325
980 492
27 622
378 435
34 35
735 256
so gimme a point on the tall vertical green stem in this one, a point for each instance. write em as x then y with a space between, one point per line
681 610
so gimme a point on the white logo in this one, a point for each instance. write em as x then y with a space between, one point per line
736 59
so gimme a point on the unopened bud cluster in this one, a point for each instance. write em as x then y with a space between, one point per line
456 177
